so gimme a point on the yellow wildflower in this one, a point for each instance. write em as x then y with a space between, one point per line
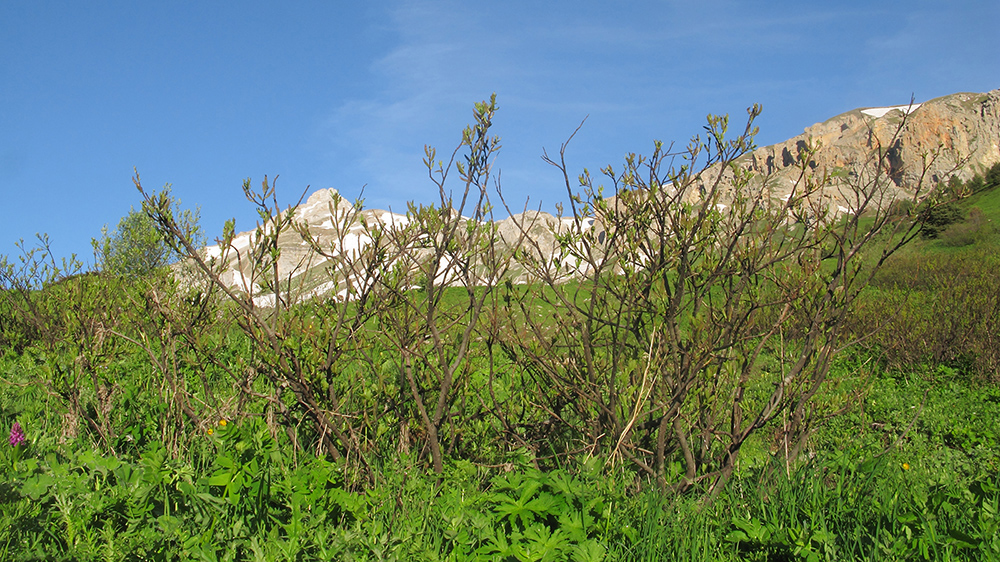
223 422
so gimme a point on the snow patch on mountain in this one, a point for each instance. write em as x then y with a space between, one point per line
881 111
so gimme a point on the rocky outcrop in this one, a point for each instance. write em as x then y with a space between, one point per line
925 143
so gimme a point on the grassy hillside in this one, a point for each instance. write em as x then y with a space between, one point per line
936 301
686 399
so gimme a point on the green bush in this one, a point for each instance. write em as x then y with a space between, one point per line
935 309
992 178
136 248
936 217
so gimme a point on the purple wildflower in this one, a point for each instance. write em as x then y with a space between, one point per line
16 435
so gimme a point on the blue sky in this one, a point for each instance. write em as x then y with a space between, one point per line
204 94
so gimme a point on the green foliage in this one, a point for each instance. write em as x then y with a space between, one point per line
843 508
937 217
943 211
451 407
979 183
992 178
136 248
936 308
976 228
25 313
902 477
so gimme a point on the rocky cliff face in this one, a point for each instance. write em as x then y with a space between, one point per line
925 143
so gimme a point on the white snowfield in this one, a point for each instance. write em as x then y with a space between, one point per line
877 112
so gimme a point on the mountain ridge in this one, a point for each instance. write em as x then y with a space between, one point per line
926 143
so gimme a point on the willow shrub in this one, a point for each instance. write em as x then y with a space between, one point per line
705 306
